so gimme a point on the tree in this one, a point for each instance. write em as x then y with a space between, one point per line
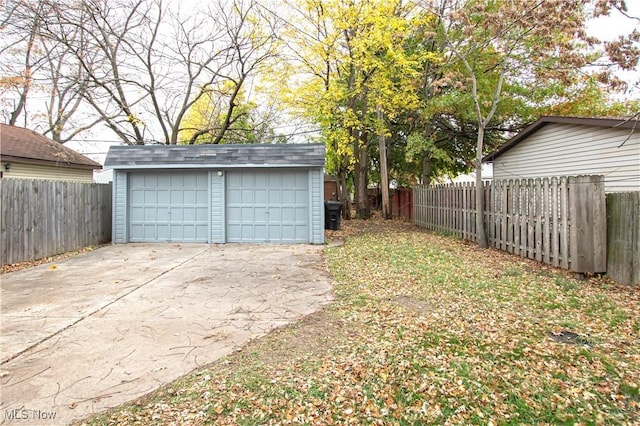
249 123
144 63
497 48
20 55
359 77
48 73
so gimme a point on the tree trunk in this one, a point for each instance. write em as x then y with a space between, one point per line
344 195
481 236
362 162
427 165
361 175
384 173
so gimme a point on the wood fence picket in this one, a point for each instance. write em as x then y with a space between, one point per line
560 221
42 218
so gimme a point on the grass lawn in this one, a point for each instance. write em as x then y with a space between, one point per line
426 329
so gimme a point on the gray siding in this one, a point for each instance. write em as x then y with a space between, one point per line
570 149
120 196
316 179
218 203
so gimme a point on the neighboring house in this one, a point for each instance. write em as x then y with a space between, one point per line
218 193
103 176
570 146
487 175
29 155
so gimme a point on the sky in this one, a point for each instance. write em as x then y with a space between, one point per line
610 27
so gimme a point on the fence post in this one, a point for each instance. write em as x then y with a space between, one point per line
588 218
623 237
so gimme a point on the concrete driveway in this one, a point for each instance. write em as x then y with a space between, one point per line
92 331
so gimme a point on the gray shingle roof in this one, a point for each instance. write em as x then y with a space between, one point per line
226 155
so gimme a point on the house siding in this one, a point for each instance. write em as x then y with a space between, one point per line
569 149
218 203
120 196
316 182
37 171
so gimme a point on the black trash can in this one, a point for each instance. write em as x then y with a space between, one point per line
332 215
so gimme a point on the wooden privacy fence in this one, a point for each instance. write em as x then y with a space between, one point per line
400 200
623 237
559 221
43 218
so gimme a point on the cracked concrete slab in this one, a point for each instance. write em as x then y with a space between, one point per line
96 330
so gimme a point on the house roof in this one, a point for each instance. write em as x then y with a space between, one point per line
622 123
225 155
26 146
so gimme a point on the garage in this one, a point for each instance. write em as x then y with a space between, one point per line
218 193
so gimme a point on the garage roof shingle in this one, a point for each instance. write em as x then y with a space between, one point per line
226 155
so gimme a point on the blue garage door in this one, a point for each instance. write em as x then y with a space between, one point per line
168 206
268 206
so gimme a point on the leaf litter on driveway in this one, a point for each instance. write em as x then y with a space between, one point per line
425 329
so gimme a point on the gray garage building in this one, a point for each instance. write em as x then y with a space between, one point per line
218 193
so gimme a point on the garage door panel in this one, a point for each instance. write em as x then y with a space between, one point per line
275 196
275 180
287 214
150 197
234 211
136 229
259 232
176 197
137 214
247 180
189 197
163 181
234 229
302 198
301 232
162 214
260 215
177 214
301 215
288 232
234 180
260 196
168 206
247 214
163 197
275 214
202 197
272 206
247 196
159 230
275 233
202 215
234 198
